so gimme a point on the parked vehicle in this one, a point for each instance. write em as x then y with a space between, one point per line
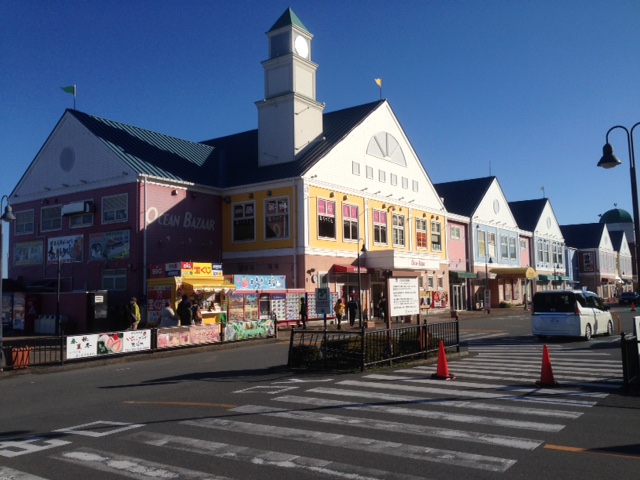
627 298
569 313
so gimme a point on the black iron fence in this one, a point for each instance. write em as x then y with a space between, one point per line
22 352
351 350
630 360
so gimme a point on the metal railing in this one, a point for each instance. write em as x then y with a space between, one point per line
352 350
22 352
630 360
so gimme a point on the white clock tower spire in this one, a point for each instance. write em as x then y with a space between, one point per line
289 117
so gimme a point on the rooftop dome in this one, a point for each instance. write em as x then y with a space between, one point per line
617 215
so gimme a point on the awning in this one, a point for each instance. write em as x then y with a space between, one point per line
546 278
351 269
213 284
464 274
515 272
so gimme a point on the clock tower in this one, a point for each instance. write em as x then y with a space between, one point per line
289 117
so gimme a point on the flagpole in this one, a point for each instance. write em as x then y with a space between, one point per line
75 91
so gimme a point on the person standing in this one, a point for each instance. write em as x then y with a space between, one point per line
338 309
184 312
134 313
196 314
168 317
303 312
382 306
352 307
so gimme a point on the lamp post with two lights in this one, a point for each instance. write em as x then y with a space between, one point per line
609 160
363 250
7 216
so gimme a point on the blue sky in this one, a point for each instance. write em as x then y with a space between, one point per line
524 90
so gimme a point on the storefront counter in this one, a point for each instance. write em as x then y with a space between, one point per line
210 318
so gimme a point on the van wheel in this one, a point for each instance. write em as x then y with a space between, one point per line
587 332
609 328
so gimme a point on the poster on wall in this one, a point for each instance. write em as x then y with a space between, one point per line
109 245
68 249
28 253
157 295
586 262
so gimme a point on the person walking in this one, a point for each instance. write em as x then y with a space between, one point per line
134 313
338 309
303 312
352 308
184 312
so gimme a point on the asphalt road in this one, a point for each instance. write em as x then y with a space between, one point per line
237 413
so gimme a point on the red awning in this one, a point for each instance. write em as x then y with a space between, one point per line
351 269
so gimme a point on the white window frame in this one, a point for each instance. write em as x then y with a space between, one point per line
248 214
115 208
380 228
421 232
455 232
25 222
114 279
49 220
350 215
355 168
369 172
436 236
274 209
398 226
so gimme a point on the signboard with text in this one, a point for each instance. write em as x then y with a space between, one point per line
323 301
404 296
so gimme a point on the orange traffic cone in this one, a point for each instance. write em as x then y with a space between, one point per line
546 373
633 306
442 371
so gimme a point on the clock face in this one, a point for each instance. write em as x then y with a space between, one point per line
301 46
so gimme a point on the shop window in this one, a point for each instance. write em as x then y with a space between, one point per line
379 227
350 222
24 223
327 218
82 220
436 236
115 279
421 233
277 218
114 208
398 230
244 222
51 218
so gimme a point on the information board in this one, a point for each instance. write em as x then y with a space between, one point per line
404 296
323 301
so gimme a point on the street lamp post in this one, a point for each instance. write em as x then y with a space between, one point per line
364 250
58 258
487 292
7 216
609 160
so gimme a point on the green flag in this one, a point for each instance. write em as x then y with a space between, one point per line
71 89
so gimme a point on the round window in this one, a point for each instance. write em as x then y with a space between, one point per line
67 159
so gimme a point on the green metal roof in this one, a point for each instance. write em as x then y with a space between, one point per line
286 19
617 215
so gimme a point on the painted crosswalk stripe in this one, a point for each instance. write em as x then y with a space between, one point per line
115 464
388 426
268 458
430 414
579 365
470 372
473 405
11 474
467 393
398 449
480 386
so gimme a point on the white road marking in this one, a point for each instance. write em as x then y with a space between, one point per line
7 473
15 448
101 428
403 450
387 426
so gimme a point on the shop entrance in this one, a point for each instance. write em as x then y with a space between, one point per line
458 296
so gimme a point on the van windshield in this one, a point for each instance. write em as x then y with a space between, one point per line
554 302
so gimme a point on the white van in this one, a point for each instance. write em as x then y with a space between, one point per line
569 313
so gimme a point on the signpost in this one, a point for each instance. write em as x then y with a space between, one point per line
323 303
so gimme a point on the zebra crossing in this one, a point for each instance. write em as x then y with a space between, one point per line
486 419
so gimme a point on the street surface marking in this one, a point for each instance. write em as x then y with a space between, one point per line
431 414
268 389
10 473
182 404
590 450
403 450
387 426
254 456
15 448
299 380
397 387
473 405
100 428
130 466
